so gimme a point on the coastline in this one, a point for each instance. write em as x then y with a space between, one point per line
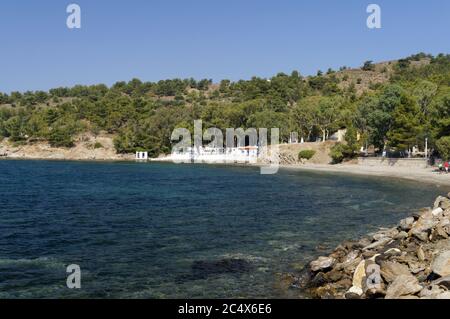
84 150
423 175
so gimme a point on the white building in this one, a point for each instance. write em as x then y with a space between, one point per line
141 156
245 154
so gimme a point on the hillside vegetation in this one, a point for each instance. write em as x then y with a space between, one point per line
394 104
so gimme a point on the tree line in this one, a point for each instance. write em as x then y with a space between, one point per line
412 105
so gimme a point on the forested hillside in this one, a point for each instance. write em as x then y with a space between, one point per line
396 104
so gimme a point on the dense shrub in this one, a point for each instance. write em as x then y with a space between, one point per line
60 137
349 150
339 152
306 154
443 147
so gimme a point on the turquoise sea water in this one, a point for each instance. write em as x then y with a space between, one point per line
172 231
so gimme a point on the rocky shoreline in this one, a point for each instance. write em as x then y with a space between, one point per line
86 148
410 261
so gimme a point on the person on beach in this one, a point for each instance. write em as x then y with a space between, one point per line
446 167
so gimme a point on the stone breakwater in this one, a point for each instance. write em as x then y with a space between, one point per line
410 261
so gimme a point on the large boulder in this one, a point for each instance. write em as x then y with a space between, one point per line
359 276
349 262
446 213
373 285
378 244
351 256
437 212
431 291
385 233
322 264
354 293
444 295
391 270
392 252
442 202
423 226
401 235
403 285
443 282
445 222
441 264
440 232
416 267
443 228
406 224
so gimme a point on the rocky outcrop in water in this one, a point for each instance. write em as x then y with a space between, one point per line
410 261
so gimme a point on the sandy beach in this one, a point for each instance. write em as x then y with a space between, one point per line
424 175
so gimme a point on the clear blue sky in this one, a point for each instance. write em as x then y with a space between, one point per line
235 39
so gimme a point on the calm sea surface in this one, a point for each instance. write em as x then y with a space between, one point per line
172 231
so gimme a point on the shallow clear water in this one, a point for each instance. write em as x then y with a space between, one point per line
163 230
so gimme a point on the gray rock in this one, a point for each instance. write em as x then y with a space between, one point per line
440 232
380 236
393 252
334 275
441 264
359 275
445 224
442 202
422 227
401 235
443 282
379 243
420 254
441 245
351 257
406 224
446 213
354 293
322 263
349 266
349 262
376 293
421 212
390 232
373 285
403 285
431 291
444 295
391 270
437 212
318 280
416 267
364 242
423 236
